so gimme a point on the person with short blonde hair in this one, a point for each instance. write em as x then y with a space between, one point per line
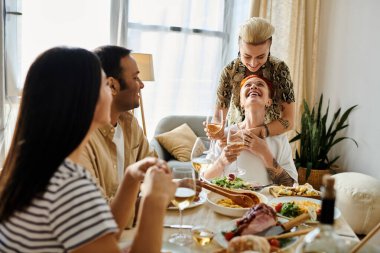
255 40
256 31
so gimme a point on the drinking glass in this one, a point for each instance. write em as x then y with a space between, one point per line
199 159
214 125
235 137
184 195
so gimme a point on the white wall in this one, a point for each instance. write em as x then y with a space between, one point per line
349 74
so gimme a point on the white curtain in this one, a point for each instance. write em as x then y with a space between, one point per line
190 41
10 66
119 22
42 25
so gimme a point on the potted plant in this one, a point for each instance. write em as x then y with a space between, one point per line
316 140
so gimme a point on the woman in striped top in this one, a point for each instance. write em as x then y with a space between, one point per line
49 203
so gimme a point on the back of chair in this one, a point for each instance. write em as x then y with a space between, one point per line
169 123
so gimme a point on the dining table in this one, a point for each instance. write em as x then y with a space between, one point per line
202 215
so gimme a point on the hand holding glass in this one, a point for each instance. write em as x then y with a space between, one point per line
214 125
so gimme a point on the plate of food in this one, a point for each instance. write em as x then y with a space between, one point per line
201 199
243 231
225 206
305 190
233 182
290 207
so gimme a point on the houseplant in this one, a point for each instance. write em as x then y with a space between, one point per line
317 137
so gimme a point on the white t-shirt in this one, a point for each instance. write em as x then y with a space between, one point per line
118 139
254 166
70 213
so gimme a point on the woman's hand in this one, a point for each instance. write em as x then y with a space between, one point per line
258 131
138 169
214 136
222 142
159 185
230 154
255 144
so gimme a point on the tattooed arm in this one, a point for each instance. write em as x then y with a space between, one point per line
259 147
279 175
285 123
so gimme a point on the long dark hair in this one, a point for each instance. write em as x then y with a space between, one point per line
58 103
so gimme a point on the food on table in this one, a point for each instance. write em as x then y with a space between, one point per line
227 203
255 220
305 190
294 208
232 182
248 243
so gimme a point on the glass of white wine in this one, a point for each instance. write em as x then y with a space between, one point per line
214 125
202 235
199 159
184 195
235 138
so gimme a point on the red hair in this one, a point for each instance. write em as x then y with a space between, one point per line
268 83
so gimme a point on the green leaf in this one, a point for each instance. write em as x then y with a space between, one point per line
308 170
345 115
317 136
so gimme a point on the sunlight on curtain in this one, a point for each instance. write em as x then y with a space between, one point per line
186 40
295 41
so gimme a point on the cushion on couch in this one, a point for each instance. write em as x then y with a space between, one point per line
178 142
358 197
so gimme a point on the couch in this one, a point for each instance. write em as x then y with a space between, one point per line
171 122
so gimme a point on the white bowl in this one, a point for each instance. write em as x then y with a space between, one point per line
213 198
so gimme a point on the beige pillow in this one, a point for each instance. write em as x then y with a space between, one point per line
178 142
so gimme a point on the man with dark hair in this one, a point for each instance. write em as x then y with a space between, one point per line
113 147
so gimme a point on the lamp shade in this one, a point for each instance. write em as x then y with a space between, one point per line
145 65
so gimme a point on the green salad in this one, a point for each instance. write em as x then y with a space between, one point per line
290 209
232 183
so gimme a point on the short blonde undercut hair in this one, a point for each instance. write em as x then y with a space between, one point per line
256 31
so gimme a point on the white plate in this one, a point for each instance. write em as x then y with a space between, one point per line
229 225
212 199
273 202
202 199
166 247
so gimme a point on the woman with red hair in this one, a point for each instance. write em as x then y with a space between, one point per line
265 160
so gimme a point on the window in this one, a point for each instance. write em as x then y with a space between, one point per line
33 26
186 39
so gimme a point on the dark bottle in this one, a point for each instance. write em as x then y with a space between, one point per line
323 238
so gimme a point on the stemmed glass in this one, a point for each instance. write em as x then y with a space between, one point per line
235 138
184 195
199 159
214 125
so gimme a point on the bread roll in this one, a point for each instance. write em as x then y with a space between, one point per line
248 243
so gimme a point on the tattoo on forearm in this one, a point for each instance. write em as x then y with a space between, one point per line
284 122
279 175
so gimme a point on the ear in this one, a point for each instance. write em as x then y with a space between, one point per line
114 85
269 102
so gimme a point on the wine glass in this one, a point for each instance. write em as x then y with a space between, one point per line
235 138
214 125
184 195
199 159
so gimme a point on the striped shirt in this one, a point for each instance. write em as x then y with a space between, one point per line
70 213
